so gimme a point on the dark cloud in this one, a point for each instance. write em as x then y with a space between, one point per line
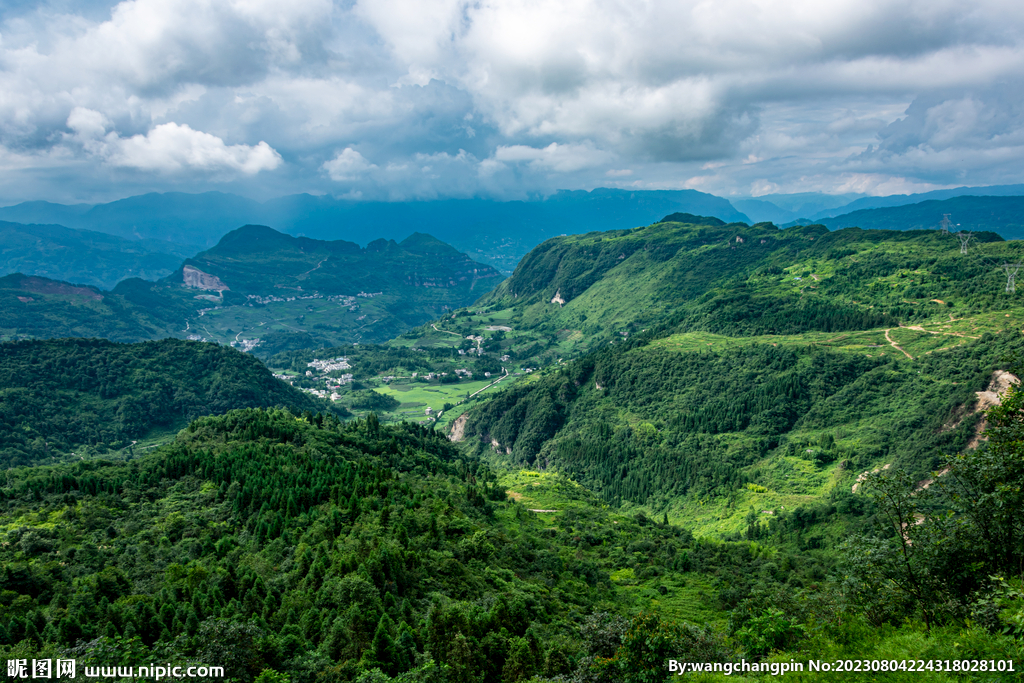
392 98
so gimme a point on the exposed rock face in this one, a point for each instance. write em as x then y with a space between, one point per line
193 277
992 396
458 431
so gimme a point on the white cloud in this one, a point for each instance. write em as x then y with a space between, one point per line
348 164
168 148
554 157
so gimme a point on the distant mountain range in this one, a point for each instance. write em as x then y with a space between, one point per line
85 256
148 236
494 232
1003 215
811 207
257 284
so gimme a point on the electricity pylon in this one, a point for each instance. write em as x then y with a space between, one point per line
945 223
964 238
1011 275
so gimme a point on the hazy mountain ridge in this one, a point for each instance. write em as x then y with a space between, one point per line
491 231
1003 215
84 256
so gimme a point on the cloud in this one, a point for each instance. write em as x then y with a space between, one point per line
347 165
554 157
511 97
168 148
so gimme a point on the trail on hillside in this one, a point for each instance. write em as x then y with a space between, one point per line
896 346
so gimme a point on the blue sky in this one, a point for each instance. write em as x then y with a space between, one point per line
403 99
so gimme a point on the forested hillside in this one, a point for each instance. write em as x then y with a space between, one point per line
305 548
95 396
576 293
39 308
746 366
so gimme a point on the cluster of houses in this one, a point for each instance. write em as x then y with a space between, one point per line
277 299
330 364
322 367
247 345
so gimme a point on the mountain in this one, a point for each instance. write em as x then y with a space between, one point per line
258 260
37 307
495 232
260 287
286 292
903 199
84 256
1002 215
783 208
95 396
720 366
187 219
812 207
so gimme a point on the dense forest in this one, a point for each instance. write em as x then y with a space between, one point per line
62 394
647 424
314 550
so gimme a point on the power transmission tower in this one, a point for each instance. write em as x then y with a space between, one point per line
964 238
1011 275
945 224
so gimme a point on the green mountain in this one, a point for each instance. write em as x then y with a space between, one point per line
293 292
1001 215
96 396
37 307
258 260
734 365
258 288
84 256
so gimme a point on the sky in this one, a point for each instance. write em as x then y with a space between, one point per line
423 99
